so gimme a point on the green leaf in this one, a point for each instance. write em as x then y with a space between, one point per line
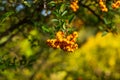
27 4
55 13
104 33
64 26
45 29
113 27
101 28
54 20
71 18
65 12
62 8
5 16
106 21
52 3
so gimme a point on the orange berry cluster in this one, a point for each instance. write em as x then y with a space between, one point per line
116 5
66 43
74 5
103 6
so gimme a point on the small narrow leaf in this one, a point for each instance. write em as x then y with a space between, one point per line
64 27
104 33
62 8
52 3
101 28
105 20
54 20
71 18
27 4
65 12
45 29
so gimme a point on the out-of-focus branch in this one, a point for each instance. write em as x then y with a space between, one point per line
91 10
11 29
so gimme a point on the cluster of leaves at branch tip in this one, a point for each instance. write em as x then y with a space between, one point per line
65 42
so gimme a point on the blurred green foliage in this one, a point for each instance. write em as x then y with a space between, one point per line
26 25
97 59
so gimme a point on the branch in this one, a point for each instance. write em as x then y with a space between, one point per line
91 10
11 29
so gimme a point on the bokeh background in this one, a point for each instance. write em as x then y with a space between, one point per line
24 54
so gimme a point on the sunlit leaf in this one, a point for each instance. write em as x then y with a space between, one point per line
64 13
62 8
45 29
55 20
104 33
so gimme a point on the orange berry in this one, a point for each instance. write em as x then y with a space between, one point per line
74 6
102 6
66 43
75 34
105 10
118 3
101 3
77 7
